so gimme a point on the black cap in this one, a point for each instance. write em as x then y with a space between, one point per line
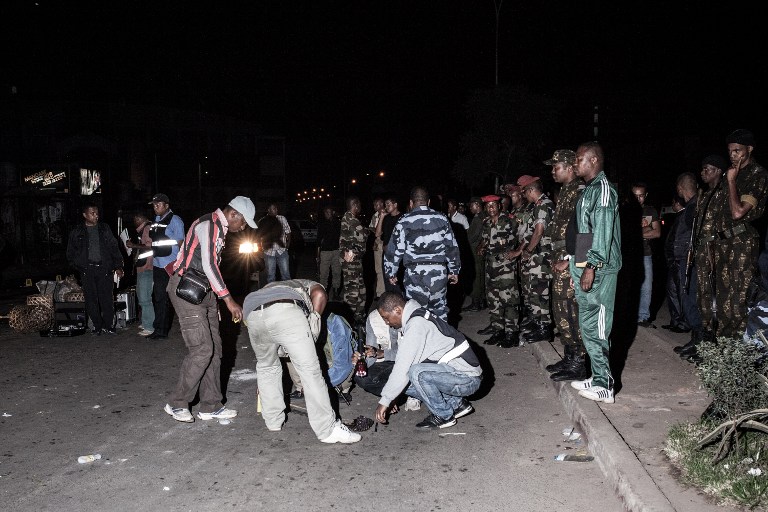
741 136
717 161
160 198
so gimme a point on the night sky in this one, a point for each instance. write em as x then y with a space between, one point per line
390 79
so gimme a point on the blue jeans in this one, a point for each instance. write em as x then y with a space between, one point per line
144 285
644 311
280 261
441 387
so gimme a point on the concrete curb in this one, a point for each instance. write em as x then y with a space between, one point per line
621 466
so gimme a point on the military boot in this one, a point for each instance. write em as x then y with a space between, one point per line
528 319
495 338
689 348
539 332
511 339
576 370
562 363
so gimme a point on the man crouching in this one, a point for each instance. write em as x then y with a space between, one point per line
434 357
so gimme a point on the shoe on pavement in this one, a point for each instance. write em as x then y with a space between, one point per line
539 332
412 404
495 338
463 409
157 336
145 332
558 366
490 329
297 395
341 434
96 332
511 339
682 348
432 422
598 394
221 414
645 323
574 371
582 384
179 413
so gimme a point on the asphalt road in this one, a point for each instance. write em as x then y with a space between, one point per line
66 397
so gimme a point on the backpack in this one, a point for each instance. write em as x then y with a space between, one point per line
340 343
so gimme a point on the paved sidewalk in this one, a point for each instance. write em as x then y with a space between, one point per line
627 438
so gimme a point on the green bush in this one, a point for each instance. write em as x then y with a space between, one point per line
731 373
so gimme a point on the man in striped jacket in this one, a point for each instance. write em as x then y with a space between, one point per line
199 323
595 267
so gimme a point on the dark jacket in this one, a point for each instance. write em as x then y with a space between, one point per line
77 248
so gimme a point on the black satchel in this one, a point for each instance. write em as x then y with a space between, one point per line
193 286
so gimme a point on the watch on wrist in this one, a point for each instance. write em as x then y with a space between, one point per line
591 265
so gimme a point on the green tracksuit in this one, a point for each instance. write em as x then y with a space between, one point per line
597 212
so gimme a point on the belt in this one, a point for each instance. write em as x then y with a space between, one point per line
560 244
435 263
730 233
279 301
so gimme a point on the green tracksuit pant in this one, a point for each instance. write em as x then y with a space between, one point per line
596 321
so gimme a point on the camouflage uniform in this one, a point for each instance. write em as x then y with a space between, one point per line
423 240
353 238
537 271
500 273
564 308
737 249
520 216
708 211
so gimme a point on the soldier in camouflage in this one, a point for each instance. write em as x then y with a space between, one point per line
352 249
736 253
498 240
708 211
565 311
535 251
423 240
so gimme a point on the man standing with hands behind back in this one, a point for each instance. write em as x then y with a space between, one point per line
595 273
167 234
92 249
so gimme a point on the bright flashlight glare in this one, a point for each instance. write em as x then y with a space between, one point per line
249 247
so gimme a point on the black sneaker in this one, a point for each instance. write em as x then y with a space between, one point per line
297 395
96 332
463 409
432 422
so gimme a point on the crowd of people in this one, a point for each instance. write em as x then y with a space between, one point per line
541 266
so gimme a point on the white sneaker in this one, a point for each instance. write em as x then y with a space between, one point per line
412 404
179 414
221 414
145 332
341 434
582 384
598 394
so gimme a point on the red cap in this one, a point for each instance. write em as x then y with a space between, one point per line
489 198
525 180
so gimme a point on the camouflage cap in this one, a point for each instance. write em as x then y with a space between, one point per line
509 188
565 156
